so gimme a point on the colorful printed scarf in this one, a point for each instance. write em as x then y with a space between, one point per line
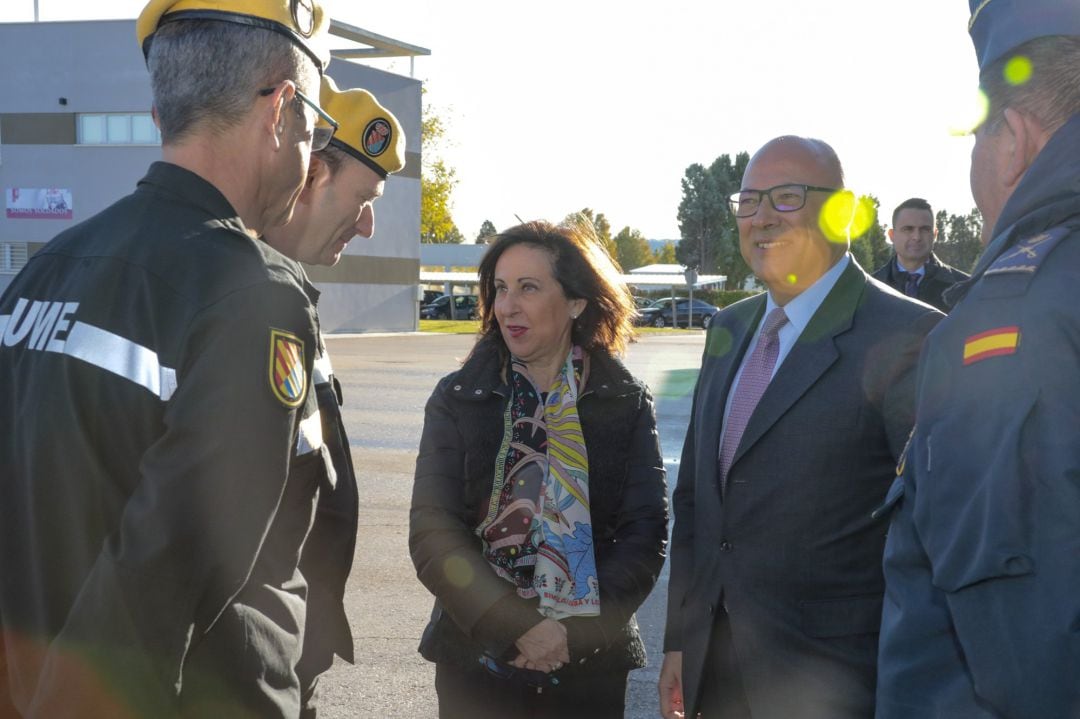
538 531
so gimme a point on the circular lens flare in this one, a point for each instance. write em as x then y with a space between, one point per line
1018 70
845 217
968 112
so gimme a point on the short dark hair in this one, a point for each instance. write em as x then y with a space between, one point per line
332 157
1052 92
583 269
912 203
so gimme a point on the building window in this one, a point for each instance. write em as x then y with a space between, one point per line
12 257
132 128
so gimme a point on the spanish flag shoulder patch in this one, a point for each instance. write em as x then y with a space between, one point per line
992 343
288 380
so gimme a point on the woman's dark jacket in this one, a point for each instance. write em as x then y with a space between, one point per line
476 611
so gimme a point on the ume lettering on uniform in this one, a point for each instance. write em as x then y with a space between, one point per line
49 326
45 322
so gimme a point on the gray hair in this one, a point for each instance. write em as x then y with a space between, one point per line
1051 94
206 74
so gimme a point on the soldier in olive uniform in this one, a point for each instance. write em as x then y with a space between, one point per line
336 205
161 450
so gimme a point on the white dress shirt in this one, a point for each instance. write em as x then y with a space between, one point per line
799 310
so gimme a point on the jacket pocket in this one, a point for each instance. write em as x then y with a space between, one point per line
974 510
841 617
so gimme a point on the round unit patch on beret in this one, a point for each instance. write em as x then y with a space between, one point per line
377 136
302 21
997 26
303 12
367 130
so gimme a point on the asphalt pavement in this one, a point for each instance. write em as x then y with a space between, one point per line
386 380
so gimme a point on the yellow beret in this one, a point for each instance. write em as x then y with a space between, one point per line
366 130
302 21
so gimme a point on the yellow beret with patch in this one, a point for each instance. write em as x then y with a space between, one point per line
302 21
366 130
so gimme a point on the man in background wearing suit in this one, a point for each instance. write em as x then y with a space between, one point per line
803 404
914 269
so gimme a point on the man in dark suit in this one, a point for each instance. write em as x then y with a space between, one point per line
914 269
802 406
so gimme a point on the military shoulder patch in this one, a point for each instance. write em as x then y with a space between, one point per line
1027 254
992 343
288 381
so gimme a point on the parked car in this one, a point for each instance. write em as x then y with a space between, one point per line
642 301
429 297
464 308
658 314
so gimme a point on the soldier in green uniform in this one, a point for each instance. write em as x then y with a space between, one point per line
161 445
336 205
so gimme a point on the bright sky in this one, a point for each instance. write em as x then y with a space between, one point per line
556 106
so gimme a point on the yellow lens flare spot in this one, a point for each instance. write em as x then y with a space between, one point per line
845 216
458 572
967 112
1018 70
792 279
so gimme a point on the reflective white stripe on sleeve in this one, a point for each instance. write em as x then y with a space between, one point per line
320 373
118 355
309 438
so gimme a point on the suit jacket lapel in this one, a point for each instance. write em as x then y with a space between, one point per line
814 352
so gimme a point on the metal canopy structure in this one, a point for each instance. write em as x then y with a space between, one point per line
636 280
376 45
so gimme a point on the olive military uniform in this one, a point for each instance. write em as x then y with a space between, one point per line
328 553
162 459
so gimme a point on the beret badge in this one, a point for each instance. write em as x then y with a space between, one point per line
303 12
377 136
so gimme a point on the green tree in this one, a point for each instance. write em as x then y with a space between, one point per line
631 249
453 236
599 225
710 237
871 249
958 243
700 217
487 230
437 182
665 255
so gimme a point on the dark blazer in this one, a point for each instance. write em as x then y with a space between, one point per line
938 277
791 550
455 469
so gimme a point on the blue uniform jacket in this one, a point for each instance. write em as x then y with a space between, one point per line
982 562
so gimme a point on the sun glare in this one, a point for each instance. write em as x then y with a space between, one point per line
967 111
1018 70
845 217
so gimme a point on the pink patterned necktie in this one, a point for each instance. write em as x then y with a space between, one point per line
756 375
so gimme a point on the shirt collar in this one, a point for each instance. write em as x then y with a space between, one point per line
801 308
920 271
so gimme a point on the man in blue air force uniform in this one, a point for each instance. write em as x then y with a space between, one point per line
983 556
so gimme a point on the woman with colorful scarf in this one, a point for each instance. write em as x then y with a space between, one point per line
539 513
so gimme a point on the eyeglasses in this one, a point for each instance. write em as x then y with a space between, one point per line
784 198
322 134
